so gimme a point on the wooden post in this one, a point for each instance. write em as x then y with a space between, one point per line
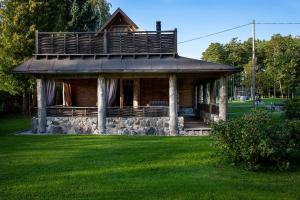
105 43
223 98
175 41
204 93
207 90
121 94
41 103
101 105
212 95
65 45
136 92
200 92
172 105
37 42
77 43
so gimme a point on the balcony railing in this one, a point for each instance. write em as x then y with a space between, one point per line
98 43
141 111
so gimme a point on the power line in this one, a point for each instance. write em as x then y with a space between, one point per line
237 27
277 23
223 31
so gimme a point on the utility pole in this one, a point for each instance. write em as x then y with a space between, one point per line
253 89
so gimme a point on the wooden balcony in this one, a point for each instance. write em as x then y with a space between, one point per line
106 43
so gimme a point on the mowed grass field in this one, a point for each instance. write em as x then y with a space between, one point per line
120 167
239 108
127 167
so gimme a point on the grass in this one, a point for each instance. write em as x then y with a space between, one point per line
119 167
11 123
239 108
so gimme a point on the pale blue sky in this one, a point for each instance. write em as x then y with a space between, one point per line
195 18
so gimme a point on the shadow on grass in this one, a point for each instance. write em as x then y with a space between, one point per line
120 167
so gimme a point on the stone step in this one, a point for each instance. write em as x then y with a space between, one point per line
204 131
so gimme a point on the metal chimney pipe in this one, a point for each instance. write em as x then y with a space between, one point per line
158 26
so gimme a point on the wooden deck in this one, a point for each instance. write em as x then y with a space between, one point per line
194 124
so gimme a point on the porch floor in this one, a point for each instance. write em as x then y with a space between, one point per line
194 124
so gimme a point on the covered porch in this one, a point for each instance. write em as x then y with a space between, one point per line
146 104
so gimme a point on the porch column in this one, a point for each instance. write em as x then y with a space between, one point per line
223 98
172 105
41 103
212 94
101 95
136 93
204 92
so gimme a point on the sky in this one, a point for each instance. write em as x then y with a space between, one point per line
194 18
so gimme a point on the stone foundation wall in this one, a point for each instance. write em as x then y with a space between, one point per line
114 125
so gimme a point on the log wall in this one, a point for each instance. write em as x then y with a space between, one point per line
154 90
84 92
186 93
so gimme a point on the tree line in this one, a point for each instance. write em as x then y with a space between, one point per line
19 19
278 64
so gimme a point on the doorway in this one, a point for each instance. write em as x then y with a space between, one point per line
128 92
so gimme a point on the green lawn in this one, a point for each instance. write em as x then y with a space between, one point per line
121 167
238 108
11 123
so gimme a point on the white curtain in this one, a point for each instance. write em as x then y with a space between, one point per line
50 92
111 90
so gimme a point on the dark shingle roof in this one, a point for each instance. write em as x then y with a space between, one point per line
130 64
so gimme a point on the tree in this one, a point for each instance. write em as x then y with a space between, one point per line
278 63
88 15
214 53
19 19
282 61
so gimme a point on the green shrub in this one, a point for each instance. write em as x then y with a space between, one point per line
254 142
292 108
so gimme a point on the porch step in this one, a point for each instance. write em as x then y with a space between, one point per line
198 129
194 127
195 131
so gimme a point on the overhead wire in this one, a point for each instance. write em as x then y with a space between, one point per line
219 32
237 27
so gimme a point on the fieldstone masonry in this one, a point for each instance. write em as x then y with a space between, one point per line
114 125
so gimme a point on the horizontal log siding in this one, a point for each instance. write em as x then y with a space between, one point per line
154 90
186 93
84 92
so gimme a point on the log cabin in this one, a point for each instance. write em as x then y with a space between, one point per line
123 80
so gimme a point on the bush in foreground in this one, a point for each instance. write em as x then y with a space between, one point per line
254 142
292 108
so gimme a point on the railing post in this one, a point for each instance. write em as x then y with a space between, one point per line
90 37
52 43
65 46
77 43
120 42
36 41
105 43
175 41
